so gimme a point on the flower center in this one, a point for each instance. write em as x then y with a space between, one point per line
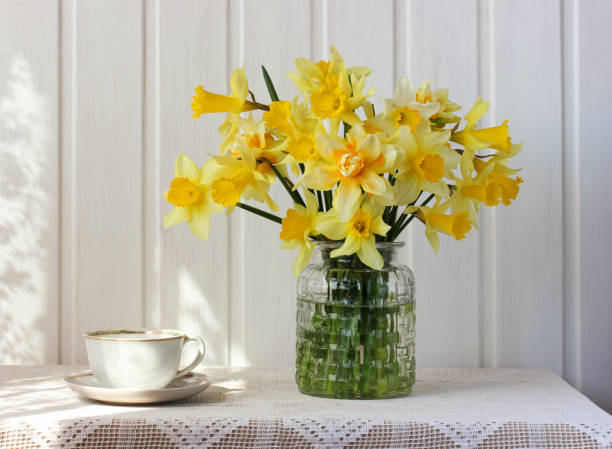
328 101
225 192
303 148
350 164
183 192
429 167
294 226
360 223
324 66
407 116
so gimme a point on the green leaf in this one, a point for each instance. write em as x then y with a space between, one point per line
347 128
269 84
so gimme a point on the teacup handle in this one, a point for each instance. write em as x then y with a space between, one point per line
198 358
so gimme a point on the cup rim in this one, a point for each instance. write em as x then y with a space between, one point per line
106 334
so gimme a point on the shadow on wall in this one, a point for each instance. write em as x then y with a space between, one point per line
24 203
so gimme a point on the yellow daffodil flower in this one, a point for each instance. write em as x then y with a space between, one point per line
471 192
354 163
279 117
334 92
191 196
477 139
357 232
436 220
297 228
205 102
295 122
500 186
426 161
445 115
402 110
246 172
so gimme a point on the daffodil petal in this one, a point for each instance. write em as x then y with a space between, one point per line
368 253
406 190
478 110
176 216
302 259
404 92
370 147
329 225
308 68
347 198
327 145
433 238
312 204
186 168
199 222
375 184
379 227
350 246
323 177
239 84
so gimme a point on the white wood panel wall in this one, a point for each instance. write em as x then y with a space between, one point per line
94 108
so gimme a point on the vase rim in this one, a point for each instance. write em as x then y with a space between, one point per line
330 244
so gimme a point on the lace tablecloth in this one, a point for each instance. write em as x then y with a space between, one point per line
262 408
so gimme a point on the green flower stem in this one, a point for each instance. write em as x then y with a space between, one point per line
327 195
391 235
269 84
294 194
410 218
347 128
320 201
261 213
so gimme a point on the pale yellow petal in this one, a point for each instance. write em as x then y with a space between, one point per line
368 253
433 139
375 184
440 188
291 244
372 207
328 145
176 216
308 68
370 147
378 226
312 204
199 222
433 238
406 189
186 168
478 110
350 246
239 84
329 225
404 92
347 198
323 177
304 256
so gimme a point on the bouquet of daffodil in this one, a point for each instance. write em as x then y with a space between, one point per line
357 180
359 177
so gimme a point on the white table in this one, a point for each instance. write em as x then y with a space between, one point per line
262 408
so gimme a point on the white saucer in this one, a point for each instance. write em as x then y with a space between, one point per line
87 385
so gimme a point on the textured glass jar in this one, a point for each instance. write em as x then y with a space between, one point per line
355 326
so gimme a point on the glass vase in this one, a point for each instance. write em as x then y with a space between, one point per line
355 326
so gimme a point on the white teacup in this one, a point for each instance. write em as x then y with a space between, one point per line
142 359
